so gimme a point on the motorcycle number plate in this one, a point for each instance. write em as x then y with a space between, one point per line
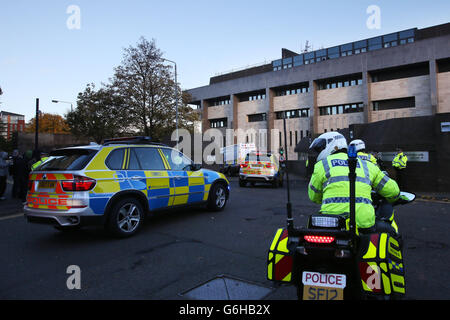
322 293
320 286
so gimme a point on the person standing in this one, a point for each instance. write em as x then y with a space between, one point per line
399 164
3 173
13 173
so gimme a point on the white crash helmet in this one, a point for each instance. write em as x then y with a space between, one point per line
328 143
359 145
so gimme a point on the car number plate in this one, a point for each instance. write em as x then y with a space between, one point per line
47 184
320 286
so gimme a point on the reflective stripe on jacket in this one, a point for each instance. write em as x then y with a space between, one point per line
329 186
367 157
400 161
37 164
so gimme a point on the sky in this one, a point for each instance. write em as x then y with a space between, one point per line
49 51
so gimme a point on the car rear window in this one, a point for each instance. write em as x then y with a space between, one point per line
67 159
257 157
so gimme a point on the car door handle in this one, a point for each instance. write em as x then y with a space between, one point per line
136 178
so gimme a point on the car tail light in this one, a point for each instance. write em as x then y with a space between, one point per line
318 239
79 183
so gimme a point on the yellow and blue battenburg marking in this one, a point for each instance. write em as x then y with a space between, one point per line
162 188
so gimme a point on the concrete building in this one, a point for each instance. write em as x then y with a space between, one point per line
10 123
402 74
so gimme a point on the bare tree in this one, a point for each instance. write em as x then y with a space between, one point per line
147 87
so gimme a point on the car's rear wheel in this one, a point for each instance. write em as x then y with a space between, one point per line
217 197
126 217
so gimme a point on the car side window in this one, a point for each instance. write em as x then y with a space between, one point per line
176 159
133 162
114 161
149 159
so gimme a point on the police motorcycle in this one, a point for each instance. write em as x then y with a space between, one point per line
330 259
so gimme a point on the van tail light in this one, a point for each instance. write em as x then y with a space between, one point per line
79 183
319 239
244 165
30 184
269 166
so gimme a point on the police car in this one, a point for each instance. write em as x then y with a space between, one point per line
260 167
117 183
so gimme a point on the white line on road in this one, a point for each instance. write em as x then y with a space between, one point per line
12 216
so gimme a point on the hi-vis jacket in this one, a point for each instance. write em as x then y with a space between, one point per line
399 161
329 186
368 157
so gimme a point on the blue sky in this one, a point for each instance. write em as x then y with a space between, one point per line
41 58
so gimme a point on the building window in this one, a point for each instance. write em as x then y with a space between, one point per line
333 53
276 65
252 96
360 46
309 57
340 82
218 123
407 71
341 109
257 117
220 102
347 49
389 104
294 89
287 63
298 60
288 114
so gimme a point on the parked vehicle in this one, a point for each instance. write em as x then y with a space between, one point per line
234 156
260 167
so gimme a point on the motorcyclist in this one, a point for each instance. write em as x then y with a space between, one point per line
360 148
329 185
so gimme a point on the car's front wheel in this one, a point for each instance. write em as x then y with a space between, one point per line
217 197
126 217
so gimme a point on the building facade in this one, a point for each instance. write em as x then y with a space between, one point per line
10 123
402 74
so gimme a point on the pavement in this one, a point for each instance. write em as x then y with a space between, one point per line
10 206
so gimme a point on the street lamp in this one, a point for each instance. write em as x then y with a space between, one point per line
59 101
176 93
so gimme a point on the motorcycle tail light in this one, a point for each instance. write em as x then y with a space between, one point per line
319 239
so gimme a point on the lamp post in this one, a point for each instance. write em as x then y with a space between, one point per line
59 101
176 94
36 133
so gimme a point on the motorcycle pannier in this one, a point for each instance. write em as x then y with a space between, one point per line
279 261
380 264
